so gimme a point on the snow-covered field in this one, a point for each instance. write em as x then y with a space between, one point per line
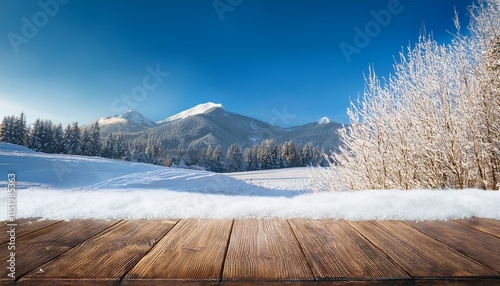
68 187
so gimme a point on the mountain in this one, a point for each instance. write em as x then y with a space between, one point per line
130 121
210 124
198 109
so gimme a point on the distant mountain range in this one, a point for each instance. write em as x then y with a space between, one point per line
209 124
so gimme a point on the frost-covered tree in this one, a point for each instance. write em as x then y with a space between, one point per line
288 153
234 159
250 156
73 140
217 160
19 130
6 129
85 143
109 147
58 139
432 124
95 140
13 130
267 155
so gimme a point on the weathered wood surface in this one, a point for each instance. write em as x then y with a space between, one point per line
490 226
255 251
418 254
263 249
336 251
42 245
25 226
194 250
477 245
106 256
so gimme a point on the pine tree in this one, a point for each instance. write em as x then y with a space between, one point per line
58 139
109 148
289 154
73 141
234 159
267 155
85 143
95 140
217 160
19 130
36 143
6 130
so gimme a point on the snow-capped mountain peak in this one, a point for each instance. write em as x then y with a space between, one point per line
198 109
136 117
324 120
130 116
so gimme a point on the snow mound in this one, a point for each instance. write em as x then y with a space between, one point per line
53 186
198 109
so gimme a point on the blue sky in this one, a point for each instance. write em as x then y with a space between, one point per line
280 61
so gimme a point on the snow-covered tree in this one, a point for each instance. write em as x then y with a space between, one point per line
13 130
250 156
234 159
434 123
288 153
85 143
267 154
95 140
73 140
217 160
58 139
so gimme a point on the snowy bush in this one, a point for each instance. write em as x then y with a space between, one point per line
433 124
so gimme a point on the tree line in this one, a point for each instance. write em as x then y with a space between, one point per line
45 136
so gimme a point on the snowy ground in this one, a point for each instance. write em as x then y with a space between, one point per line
67 187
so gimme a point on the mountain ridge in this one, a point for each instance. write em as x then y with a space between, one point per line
209 124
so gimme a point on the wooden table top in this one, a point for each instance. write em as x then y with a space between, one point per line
253 251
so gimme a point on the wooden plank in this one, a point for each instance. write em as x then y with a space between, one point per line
321 283
418 254
107 256
264 249
487 225
38 247
336 251
159 282
23 227
192 250
495 281
478 245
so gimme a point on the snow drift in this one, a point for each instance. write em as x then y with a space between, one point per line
69 187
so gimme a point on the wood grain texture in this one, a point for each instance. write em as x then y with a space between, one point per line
265 249
40 246
405 282
487 225
23 227
193 249
417 253
109 255
336 251
478 245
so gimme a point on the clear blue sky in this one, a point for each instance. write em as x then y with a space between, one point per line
276 60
